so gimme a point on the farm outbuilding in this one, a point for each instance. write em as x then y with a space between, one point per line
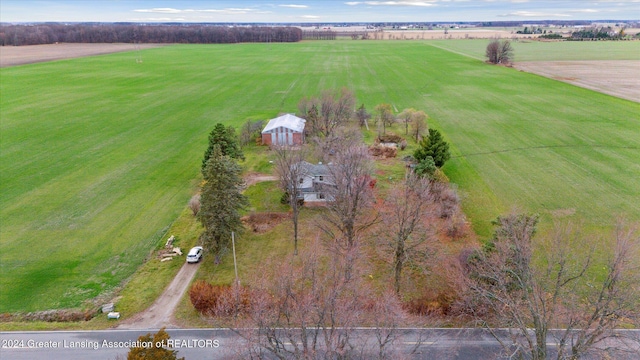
287 129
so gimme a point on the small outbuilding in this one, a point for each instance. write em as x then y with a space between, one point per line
287 129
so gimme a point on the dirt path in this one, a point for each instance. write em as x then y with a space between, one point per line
252 179
160 313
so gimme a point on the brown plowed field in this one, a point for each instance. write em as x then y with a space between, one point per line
619 78
19 55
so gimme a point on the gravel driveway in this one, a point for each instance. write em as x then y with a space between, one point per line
160 313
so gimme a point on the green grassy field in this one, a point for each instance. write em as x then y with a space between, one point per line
99 155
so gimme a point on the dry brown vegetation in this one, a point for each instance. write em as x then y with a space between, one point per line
20 55
261 222
620 78
383 151
64 315
219 300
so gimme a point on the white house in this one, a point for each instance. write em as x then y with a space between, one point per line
287 129
313 182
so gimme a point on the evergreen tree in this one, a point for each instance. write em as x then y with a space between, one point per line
433 146
426 167
221 200
227 140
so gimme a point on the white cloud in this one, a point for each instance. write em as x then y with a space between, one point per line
294 6
393 3
154 19
311 17
228 11
532 14
160 11
584 11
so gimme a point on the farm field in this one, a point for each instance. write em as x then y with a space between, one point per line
526 50
99 155
609 67
620 78
19 55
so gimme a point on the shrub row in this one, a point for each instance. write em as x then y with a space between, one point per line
51 316
219 300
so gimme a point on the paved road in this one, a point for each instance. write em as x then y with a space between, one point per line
108 344
223 343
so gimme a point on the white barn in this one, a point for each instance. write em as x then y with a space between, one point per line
287 129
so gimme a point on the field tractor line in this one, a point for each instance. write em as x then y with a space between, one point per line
545 147
286 93
456 52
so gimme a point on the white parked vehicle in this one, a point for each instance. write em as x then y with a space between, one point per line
194 255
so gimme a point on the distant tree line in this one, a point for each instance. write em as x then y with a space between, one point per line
532 30
552 36
17 35
598 33
534 22
319 35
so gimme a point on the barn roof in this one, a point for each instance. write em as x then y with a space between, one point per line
288 121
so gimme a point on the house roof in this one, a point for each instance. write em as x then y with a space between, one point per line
314 169
288 121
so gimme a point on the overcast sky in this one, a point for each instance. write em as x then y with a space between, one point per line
315 10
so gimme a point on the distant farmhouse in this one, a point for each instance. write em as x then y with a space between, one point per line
313 182
287 129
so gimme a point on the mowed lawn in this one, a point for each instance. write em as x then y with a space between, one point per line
99 155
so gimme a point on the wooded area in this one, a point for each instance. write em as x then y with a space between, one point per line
18 35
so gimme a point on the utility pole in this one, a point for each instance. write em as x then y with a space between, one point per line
235 264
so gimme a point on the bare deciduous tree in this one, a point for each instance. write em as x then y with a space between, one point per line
350 194
491 53
306 308
308 109
567 290
325 114
250 131
336 109
384 117
363 116
290 170
499 52
406 115
326 147
418 124
404 215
